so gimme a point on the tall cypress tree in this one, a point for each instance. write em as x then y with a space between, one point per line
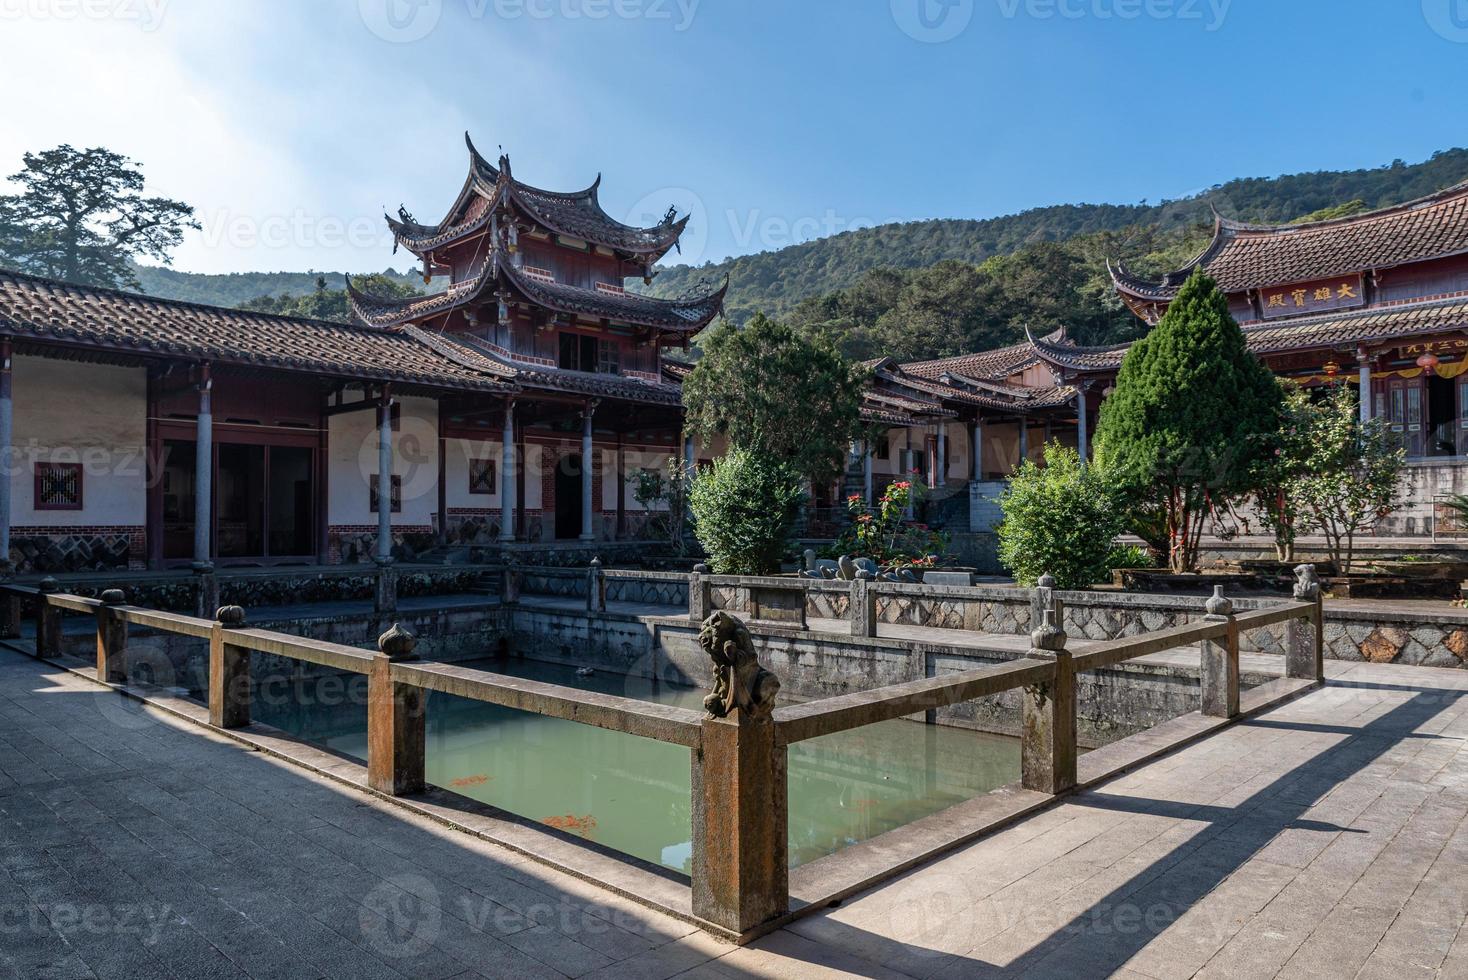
1192 412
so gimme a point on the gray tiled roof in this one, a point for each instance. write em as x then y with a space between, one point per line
47 311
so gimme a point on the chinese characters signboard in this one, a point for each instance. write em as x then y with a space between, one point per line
1453 345
1321 296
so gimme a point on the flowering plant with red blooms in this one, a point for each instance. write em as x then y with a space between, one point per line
882 532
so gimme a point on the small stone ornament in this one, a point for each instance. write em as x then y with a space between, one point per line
1220 606
233 616
1049 637
397 643
48 585
1307 583
740 683
113 597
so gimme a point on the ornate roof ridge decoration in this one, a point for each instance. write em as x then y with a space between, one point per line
48 311
1244 256
685 315
573 214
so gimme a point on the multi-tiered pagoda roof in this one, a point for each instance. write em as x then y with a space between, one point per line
478 243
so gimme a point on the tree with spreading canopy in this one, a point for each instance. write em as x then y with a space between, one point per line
776 393
81 216
1192 415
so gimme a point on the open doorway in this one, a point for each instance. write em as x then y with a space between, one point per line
568 497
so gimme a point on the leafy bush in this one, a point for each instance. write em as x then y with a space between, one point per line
1061 518
883 533
744 509
663 496
1129 556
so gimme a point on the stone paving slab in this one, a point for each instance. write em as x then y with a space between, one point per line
1323 838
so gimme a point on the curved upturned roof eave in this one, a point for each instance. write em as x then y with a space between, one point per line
1229 230
489 182
1081 360
683 316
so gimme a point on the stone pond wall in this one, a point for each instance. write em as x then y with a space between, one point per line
1113 703
1352 633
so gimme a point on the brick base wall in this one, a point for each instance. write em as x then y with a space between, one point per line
77 548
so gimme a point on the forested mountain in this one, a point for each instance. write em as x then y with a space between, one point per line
237 288
776 281
933 288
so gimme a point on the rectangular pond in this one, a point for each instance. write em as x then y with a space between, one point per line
632 794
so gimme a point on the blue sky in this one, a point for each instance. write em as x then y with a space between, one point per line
291 124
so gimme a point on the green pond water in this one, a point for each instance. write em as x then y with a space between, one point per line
632 794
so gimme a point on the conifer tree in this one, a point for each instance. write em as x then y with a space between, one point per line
1192 413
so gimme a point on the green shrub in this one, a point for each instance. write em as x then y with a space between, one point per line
1129 556
1061 518
744 509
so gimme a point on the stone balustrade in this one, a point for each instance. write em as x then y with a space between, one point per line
740 884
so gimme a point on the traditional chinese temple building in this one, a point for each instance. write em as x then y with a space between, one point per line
514 404
1376 300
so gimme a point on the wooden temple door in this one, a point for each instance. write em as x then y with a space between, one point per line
1405 399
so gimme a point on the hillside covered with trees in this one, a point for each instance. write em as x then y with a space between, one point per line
775 282
926 289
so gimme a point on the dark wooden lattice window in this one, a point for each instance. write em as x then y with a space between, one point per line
58 486
608 357
481 476
397 494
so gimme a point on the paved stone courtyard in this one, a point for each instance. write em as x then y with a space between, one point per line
1324 839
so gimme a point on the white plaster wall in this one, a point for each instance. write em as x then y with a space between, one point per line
633 460
91 414
457 454
960 437
352 438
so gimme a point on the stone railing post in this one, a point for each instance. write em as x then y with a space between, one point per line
740 809
700 595
1046 597
863 602
596 588
111 639
229 672
385 596
11 628
510 587
1048 740
396 731
48 620
1218 670
1304 638
206 584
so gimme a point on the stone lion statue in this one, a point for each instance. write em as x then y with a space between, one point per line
739 680
1307 583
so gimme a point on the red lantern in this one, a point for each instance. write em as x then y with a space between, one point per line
1332 368
1428 361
